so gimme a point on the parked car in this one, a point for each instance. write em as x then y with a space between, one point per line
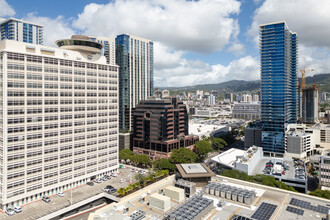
105 178
111 190
60 194
98 180
10 211
90 183
17 209
114 174
122 180
109 187
46 199
142 171
133 170
105 189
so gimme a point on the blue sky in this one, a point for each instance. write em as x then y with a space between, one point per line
196 42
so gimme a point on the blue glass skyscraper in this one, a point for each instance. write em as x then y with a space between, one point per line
278 53
134 55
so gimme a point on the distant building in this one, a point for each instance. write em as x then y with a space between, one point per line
165 93
211 100
135 58
109 47
310 104
161 125
252 136
249 111
199 94
23 31
255 98
197 173
247 98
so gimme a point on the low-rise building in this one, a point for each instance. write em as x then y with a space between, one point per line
198 173
247 110
324 174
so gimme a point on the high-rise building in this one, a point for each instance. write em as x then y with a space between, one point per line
211 100
161 125
278 53
19 30
59 118
310 104
247 98
135 58
109 48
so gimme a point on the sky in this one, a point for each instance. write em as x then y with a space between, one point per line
195 41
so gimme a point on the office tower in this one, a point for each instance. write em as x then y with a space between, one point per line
59 117
109 48
278 53
135 58
211 100
159 126
19 30
310 104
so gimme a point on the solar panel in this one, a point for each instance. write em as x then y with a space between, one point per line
264 212
307 205
238 217
295 210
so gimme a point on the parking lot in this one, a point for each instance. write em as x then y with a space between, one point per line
40 208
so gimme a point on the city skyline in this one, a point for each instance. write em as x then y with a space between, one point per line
189 51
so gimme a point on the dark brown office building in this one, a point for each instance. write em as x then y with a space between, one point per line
160 125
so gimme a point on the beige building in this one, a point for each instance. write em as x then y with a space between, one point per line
59 118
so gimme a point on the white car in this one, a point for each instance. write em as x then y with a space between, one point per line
133 170
142 171
114 174
60 194
105 189
17 209
122 180
97 180
10 211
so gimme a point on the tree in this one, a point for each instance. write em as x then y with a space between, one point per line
321 193
142 159
140 178
183 155
218 143
125 154
203 148
164 164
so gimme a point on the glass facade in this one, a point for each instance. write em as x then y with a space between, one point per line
278 53
13 29
134 56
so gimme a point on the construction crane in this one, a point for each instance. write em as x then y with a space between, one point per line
303 75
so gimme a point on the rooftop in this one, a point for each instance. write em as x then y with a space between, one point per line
194 170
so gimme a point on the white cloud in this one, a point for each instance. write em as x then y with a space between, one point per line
237 48
309 18
54 29
183 72
314 58
201 26
6 9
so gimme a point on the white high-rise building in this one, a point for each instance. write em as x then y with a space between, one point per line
19 30
211 100
255 98
247 98
109 47
59 118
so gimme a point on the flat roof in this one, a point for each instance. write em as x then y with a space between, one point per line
228 157
195 170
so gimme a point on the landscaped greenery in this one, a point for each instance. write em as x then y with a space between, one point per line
203 148
164 164
321 193
260 179
127 154
142 181
183 155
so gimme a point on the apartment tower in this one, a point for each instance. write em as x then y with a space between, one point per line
19 30
278 54
59 118
134 55
109 48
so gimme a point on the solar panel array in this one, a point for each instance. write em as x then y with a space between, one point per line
196 207
238 217
307 205
264 212
295 210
